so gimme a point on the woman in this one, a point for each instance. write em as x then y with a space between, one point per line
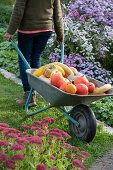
33 20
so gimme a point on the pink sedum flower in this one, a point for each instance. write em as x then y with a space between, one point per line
22 140
17 147
36 139
41 167
18 157
2 128
52 157
11 135
54 168
41 134
48 120
86 153
3 157
8 130
56 134
4 125
4 143
9 164
78 163
26 127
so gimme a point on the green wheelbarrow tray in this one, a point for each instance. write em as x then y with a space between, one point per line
57 97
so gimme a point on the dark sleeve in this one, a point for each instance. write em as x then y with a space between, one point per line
58 21
16 16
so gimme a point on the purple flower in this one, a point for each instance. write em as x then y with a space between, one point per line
35 139
3 157
9 164
48 120
3 143
52 157
18 157
4 125
22 140
17 147
41 167
78 163
26 127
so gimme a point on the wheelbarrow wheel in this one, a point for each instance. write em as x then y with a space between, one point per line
87 122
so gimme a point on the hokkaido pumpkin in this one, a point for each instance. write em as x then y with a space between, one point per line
71 88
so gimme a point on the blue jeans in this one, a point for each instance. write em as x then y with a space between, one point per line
31 46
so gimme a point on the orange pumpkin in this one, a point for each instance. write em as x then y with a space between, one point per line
71 88
82 89
57 80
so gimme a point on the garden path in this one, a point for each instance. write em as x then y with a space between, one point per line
104 163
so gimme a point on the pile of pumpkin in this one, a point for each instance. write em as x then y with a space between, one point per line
69 80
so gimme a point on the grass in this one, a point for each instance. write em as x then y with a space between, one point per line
15 116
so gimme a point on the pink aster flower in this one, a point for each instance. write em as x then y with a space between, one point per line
52 157
86 153
3 143
40 134
36 139
9 164
3 157
78 163
4 125
54 168
17 147
11 135
18 157
48 120
22 140
41 167
26 127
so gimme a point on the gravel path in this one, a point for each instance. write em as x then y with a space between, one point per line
105 163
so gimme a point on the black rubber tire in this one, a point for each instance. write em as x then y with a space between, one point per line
87 122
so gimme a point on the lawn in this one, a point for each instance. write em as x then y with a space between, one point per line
15 116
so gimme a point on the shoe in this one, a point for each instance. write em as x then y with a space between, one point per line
32 101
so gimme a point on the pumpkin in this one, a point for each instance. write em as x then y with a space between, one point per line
71 88
55 72
63 86
60 69
39 71
48 69
45 78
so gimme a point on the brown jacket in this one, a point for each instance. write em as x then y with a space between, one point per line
31 15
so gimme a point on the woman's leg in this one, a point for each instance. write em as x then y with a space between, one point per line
25 44
39 43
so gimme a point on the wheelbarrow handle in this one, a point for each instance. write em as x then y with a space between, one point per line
20 54
25 61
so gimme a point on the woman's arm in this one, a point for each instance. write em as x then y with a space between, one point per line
58 22
16 16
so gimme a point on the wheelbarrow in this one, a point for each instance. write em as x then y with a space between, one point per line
82 121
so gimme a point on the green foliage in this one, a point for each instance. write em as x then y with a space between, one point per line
103 110
5 13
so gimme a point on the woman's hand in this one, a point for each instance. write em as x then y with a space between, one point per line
58 41
7 36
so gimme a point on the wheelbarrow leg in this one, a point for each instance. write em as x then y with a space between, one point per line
37 111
